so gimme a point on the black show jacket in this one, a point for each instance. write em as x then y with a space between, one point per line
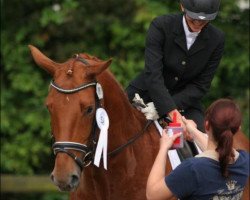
175 77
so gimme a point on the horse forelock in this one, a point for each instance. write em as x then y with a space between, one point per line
71 63
89 57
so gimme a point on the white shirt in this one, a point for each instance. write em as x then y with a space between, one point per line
190 36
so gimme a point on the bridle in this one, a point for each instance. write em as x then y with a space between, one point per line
65 146
88 151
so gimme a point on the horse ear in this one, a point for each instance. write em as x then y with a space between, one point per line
43 61
99 68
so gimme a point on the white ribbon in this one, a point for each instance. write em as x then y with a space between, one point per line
102 120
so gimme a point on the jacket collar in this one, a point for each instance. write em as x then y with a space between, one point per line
180 38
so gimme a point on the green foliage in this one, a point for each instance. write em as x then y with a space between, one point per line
232 78
110 28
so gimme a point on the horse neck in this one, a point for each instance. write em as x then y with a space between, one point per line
125 121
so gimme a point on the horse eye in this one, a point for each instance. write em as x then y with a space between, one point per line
89 110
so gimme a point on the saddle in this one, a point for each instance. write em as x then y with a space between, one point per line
189 150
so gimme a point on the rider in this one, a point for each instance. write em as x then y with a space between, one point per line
182 54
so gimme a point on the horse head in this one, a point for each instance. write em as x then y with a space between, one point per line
72 102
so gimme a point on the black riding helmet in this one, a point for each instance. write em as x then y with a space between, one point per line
201 9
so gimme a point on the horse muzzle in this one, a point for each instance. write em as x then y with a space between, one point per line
66 184
66 174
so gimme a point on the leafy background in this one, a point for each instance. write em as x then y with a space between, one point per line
105 28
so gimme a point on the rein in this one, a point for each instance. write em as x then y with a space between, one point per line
65 146
130 141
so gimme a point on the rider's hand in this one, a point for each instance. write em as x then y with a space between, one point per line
166 142
178 117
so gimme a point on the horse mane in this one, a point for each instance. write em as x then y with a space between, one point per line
121 112
114 90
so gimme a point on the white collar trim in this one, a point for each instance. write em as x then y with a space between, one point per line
187 32
214 155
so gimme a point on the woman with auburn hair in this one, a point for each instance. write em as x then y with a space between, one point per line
219 172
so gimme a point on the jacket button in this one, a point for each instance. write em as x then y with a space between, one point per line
176 78
183 62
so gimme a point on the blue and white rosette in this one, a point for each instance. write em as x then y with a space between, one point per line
102 120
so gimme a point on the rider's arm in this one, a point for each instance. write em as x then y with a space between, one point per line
153 73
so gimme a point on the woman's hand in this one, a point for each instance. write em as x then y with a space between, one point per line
191 127
200 138
166 142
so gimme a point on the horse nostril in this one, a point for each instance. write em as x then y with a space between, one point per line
74 180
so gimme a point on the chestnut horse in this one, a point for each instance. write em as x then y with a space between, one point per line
72 103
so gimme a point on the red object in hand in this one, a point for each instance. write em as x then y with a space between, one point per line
173 128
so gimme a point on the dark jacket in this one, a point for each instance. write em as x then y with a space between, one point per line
175 77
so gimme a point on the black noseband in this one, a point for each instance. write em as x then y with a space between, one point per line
64 147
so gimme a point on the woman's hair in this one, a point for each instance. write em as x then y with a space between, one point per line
224 118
